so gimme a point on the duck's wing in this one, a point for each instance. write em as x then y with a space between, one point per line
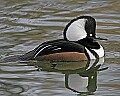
57 46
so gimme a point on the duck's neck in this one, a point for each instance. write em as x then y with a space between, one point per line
93 48
95 53
89 43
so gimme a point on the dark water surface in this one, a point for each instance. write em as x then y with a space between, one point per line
24 24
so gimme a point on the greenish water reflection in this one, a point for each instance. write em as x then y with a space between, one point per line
80 77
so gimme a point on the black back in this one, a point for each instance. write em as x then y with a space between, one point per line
57 46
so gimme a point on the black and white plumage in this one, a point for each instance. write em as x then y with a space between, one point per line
78 43
57 48
79 28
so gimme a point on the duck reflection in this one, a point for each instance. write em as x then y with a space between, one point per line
80 77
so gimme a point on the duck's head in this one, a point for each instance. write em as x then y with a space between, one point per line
80 28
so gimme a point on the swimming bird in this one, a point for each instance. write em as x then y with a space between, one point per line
78 43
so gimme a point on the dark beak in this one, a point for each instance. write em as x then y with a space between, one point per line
99 38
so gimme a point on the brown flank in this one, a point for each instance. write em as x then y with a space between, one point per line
64 56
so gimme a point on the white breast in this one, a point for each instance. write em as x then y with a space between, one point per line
99 51
90 54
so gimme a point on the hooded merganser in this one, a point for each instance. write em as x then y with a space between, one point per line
78 44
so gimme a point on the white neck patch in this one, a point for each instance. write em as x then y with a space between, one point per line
76 30
99 51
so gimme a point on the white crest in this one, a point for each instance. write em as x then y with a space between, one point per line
76 30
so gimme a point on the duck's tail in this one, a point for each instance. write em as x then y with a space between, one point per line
13 58
17 58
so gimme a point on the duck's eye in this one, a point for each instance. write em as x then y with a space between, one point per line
90 34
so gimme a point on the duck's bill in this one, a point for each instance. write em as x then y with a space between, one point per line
99 38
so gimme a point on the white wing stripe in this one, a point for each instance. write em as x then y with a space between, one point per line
41 50
39 47
57 49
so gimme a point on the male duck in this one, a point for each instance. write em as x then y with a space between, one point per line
78 44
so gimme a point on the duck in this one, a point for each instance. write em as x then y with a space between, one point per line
79 43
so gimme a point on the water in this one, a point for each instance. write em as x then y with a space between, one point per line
27 23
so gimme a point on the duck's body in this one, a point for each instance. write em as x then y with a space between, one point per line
61 50
58 50
78 44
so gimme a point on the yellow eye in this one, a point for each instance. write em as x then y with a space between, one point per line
92 77
90 34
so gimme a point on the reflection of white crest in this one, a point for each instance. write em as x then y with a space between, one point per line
82 83
78 83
